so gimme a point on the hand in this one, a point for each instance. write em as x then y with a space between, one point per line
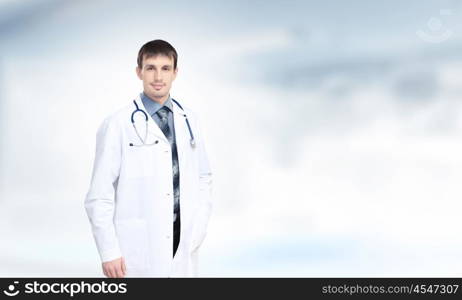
115 268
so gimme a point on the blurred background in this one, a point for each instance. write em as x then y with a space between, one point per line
333 129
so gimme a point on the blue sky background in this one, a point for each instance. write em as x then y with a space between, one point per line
333 130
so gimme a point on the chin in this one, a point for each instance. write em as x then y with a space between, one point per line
154 92
158 94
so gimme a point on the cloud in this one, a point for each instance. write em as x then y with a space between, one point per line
335 147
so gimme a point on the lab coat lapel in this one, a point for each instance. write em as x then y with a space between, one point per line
153 128
181 133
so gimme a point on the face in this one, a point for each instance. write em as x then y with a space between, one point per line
157 75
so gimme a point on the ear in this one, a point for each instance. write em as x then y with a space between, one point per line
138 73
175 72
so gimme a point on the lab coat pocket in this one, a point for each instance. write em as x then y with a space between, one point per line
133 240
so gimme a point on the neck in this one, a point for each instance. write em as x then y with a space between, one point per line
160 100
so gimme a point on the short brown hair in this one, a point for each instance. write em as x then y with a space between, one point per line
154 48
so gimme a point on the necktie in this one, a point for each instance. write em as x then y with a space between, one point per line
163 114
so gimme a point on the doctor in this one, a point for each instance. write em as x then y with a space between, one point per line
149 200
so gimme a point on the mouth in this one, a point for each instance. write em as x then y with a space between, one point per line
157 86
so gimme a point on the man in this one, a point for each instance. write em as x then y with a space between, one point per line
149 199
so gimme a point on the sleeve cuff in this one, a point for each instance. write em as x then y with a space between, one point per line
110 255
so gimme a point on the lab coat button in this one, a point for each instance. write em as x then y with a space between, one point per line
167 236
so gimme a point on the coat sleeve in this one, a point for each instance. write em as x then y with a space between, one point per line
99 201
205 191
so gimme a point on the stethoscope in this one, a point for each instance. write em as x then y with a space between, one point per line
143 140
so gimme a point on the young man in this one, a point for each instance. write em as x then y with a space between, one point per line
149 200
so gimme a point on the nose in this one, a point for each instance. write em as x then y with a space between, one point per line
157 76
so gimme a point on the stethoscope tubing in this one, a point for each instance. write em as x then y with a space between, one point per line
143 141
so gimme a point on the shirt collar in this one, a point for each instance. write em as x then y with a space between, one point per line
152 106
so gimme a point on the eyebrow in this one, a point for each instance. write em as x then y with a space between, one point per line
169 66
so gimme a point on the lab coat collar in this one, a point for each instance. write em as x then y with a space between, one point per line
153 106
152 126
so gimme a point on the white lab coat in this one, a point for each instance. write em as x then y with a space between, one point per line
130 199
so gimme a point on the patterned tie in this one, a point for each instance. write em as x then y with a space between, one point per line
163 114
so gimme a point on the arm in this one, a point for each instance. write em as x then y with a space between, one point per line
205 192
99 201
